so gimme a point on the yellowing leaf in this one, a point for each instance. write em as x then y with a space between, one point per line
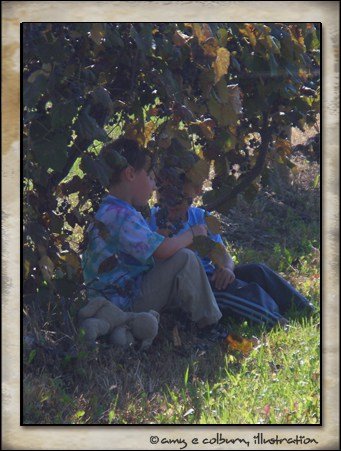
199 172
142 136
221 64
207 128
210 47
97 32
249 32
223 37
202 31
283 147
180 39
213 224
26 269
238 343
134 132
149 129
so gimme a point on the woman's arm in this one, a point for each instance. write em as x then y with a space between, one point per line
228 262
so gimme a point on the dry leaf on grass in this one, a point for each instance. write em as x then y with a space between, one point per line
176 337
242 344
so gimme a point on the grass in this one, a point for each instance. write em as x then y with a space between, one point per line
201 382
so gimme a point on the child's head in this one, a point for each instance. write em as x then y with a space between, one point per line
132 169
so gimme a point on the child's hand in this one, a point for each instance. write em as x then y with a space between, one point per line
199 229
222 277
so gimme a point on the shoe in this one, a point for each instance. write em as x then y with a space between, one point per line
215 332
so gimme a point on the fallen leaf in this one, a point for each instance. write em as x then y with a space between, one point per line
176 337
242 344
267 410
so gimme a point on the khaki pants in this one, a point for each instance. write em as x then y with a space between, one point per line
179 282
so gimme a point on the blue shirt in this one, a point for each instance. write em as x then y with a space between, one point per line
119 251
195 216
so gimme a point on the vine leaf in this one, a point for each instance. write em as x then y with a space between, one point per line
213 224
203 245
202 31
210 47
180 39
207 128
199 172
221 64
207 248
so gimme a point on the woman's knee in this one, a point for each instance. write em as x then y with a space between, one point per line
250 267
261 267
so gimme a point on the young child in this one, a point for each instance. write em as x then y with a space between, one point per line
134 267
250 291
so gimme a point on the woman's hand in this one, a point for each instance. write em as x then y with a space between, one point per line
222 277
199 229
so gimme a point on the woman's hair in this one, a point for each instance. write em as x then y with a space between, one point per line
121 153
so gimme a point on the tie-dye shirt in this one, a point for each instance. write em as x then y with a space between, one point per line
120 249
195 216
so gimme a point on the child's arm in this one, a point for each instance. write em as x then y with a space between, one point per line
171 245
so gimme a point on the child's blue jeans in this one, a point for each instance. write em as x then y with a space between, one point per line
258 293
